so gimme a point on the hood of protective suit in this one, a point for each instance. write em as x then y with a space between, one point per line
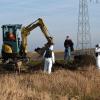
51 47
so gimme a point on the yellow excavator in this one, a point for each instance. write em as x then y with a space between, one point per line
26 31
13 49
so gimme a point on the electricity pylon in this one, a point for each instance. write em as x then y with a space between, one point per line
83 34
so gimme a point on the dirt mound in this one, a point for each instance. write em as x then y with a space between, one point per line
84 60
79 61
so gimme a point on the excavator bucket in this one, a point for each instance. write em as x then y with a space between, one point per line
41 51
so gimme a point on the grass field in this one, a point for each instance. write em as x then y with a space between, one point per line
79 80
62 84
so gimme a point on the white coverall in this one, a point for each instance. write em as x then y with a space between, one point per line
97 51
48 62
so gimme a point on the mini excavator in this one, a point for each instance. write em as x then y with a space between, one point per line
15 50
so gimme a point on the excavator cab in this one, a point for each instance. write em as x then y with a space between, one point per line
11 41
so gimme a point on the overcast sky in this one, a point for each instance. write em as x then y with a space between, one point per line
60 16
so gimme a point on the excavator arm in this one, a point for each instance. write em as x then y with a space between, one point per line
26 31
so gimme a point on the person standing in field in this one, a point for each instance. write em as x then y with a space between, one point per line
68 44
49 59
97 53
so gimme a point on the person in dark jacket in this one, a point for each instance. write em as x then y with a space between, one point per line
68 44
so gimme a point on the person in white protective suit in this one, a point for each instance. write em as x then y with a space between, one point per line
97 52
49 59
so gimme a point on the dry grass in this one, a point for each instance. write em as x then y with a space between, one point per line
60 85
